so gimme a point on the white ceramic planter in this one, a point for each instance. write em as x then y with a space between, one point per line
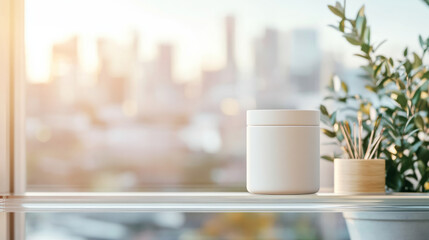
387 226
283 151
358 176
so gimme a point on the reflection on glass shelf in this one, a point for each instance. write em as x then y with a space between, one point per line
213 202
203 215
184 226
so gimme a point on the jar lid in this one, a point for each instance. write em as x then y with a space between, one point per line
283 117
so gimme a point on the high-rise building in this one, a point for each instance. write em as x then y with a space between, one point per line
165 64
111 81
64 69
305 59
135 89
231 67
267 62
162 86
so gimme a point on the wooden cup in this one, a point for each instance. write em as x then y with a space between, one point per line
355 176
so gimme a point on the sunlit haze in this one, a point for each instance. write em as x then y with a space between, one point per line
195 28
152 94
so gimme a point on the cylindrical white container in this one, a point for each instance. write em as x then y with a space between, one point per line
283 151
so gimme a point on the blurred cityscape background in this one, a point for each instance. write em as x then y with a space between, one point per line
151 96
139 127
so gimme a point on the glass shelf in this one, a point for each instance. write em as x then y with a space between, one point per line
212 202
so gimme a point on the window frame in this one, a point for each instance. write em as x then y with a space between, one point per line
18 83
12 98
12 113
5 24
4 97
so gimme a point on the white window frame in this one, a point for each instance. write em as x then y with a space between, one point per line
4 96
5 186
12 113
18 83
12 98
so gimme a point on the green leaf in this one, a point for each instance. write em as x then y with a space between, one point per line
423 153
381 82
415 147
418 120
400 84
393 177
359 22
421 167
324 111
402 100
417 71
408 66
409 121
371 88
424 178
362 29
416 96
387 68
329 133
422 43
406 164
379 45
422 105
365 48
405 52
344 87
367 35
417 61
422 86
336 11
326 157
392 128
351 38
361 12
378 68
333 118
333 26
362 56
341 25
325 120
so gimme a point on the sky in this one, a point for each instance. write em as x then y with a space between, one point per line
196 28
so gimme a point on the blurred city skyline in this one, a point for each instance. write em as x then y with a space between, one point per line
136 111
194 29
123 99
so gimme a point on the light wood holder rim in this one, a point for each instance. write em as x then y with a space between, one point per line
357 176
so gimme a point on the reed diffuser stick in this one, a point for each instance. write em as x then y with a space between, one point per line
354 139
380 138
360 134
347 138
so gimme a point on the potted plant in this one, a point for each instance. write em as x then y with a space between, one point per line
397 92
362 171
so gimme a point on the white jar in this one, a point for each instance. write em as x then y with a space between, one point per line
283 151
